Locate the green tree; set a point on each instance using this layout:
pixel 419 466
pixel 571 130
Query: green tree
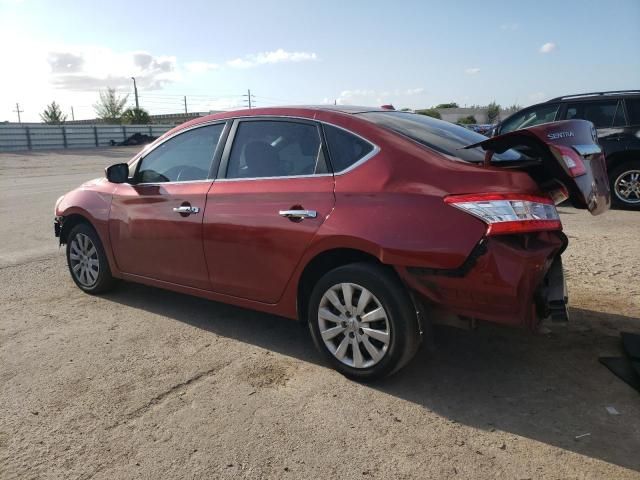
pixel 53 114
pixel 493 112
pixel 110 106
pixel 136 116
pixel 430 112
pixel 470 120
pixel 447 105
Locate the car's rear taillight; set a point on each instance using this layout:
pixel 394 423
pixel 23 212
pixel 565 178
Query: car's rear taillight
pixel 509 213
pixel 569 159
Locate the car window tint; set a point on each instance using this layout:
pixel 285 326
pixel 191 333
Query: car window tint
pixel 601 114
pixel 275 149
pixel 185 157
pixel 345 149
pixel 618 119
pixel 529 118
pixel 444 137
pixel 633 110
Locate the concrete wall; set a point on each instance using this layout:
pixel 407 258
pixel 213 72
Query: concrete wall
pixel 38 136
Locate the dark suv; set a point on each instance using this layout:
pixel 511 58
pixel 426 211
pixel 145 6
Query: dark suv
pixel 616 116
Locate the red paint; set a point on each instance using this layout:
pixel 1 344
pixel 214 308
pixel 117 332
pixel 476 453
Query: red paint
pixel 250 249
pixel 149 239
pixel 239 250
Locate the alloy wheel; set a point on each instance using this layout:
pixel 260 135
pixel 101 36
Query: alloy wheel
pixel 627 186
pixel 83 257
pixel 354 325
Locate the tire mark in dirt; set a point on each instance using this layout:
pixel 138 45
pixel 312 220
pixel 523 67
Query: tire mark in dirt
pixel 162 396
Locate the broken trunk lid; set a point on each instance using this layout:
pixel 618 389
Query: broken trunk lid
pixel 568 153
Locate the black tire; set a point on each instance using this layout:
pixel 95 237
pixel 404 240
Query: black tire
pixel 614 176
pixel 103 280
pixel 388 291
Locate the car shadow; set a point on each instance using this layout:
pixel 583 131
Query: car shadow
pixel 549 388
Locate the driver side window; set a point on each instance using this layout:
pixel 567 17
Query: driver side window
pixel 185 157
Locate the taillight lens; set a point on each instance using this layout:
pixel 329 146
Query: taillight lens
pixel 509 213
pixel 571 161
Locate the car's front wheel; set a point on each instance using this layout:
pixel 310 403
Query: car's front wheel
pixel 625 185
pixel 363 320
pixel 87 261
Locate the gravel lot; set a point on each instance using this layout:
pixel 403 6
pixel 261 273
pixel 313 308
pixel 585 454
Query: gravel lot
pixel 151 384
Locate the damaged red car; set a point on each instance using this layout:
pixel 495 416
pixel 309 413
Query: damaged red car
pixel 365 223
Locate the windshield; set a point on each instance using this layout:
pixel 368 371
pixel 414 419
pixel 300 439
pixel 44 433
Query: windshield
pixel 444 137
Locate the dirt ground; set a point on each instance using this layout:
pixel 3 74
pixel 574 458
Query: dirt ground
pixel 143 383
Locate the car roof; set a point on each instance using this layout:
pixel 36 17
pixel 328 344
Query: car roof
pixel 307 111
pixel 595 95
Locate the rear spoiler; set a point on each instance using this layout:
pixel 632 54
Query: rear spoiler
pixel 568 152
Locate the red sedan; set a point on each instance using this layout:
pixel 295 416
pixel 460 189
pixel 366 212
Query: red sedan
pixel 365 223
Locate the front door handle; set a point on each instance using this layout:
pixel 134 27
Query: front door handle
pixel 298 214
pixel 186 209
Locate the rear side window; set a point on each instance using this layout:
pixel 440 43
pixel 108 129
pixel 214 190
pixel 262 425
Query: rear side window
pixel 185 157
pixel 530 117
pixel 604 114
pixel 275 149
pixel 345 149
pixel 633 110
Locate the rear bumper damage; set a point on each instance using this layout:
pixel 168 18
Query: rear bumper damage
pixel 510 280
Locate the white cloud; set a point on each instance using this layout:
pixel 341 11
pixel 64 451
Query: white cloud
pixel 472 70
pixel 548 47
pixel 88 68
pixel 201 67
pixel 276 56
pixel 72 75
pixel 414 91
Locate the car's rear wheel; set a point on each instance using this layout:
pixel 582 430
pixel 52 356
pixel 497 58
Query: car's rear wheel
pixel 625 185
pixel 87 261
pixel 363 320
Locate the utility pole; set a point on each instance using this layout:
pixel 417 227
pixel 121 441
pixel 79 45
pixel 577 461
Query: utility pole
pixel 73 117
pixel 135 92
pixel 249 98
pixel 18 111
pixel 185 104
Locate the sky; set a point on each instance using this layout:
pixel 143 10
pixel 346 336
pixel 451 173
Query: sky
pixel 412 54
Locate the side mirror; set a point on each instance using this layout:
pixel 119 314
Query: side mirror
pixel 118 173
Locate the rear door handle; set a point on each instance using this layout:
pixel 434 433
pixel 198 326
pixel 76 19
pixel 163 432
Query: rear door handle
pixel 298 214
pixel 188 209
